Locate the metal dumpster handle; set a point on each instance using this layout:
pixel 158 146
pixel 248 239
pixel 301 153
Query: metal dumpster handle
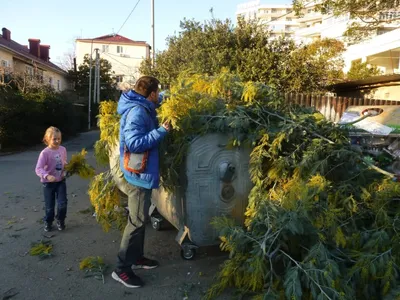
pixel 226 171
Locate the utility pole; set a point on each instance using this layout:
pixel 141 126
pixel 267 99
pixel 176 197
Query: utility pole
pixel 153 46
pixel 90 86
pixel 98 75
pixel 95 78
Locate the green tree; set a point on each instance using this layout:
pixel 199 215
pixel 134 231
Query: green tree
pixel 362 70
pixel 248 50
pixel 367 15
pixel 203 48
pixel 81 78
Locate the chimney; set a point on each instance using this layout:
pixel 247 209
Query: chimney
pixel 34 47
pixel 44 52
pixel 6 34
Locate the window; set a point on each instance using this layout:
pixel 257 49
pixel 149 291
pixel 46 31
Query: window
pixel 104 48
pixel 5 64
pixel 120 49
pixel 58 85
pixel 273 10
pixel 118 78
pixel 39 75
pixel 29 71
pixel 288 19
pixel 51 81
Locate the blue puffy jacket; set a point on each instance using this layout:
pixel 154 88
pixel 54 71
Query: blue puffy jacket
pixel 140 132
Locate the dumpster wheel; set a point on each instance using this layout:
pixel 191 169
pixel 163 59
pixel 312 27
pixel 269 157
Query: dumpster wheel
pixel 188 251
pixel 156 222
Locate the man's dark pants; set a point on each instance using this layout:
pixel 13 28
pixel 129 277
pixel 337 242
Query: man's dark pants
pixel 139 200
pixel 132 243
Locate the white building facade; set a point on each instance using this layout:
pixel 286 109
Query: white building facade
pixel 280 19
pixel 125 55
pixel 382 50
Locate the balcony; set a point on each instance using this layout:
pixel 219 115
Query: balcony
pixel 388 44
pixel 309 31
pixel 310 17
pixel 389 16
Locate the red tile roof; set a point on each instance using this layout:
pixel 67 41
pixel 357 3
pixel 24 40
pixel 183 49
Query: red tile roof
pixel 114 38
pixel 24 51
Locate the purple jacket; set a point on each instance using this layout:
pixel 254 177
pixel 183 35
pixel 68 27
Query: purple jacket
pixel 51 162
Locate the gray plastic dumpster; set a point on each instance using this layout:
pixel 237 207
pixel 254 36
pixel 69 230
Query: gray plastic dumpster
pixel 216 183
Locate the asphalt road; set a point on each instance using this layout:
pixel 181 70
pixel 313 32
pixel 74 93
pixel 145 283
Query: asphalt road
pixel 26 277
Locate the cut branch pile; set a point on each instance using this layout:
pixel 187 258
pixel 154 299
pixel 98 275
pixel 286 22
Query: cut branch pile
pixel 320 222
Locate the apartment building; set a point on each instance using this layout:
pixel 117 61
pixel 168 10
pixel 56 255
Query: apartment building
pixel 31 62
pixel 382 49
pixel 125 55
pixel 280 19
pixel 310 24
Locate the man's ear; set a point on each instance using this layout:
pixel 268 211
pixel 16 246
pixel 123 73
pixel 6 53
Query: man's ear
pixel 150 96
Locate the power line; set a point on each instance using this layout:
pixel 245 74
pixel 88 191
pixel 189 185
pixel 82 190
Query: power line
pixel 129 16
pixel 134 43
pixel 117 60
pixel 129 57
pixel 129 67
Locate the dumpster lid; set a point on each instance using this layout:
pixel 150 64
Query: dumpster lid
pixel 385 121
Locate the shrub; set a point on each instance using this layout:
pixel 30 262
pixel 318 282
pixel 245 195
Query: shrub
pixel 24 117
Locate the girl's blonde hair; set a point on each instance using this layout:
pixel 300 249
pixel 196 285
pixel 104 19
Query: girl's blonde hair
pixel 50 131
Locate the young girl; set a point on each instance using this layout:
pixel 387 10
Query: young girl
pixel 50 169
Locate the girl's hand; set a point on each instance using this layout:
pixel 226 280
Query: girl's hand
pixel 50 178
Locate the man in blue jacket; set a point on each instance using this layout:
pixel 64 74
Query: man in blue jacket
pixel 139 133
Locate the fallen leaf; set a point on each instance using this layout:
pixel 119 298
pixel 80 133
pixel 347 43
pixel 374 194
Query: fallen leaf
pixel 10 294
pixel 20 229
pixel 48 236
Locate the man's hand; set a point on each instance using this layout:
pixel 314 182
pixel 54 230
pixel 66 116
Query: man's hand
pixel 50 178
pixel 166 125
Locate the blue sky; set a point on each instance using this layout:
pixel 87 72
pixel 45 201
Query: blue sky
pixel 58 23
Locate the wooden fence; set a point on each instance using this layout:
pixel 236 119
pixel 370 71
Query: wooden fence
pixel 333 107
